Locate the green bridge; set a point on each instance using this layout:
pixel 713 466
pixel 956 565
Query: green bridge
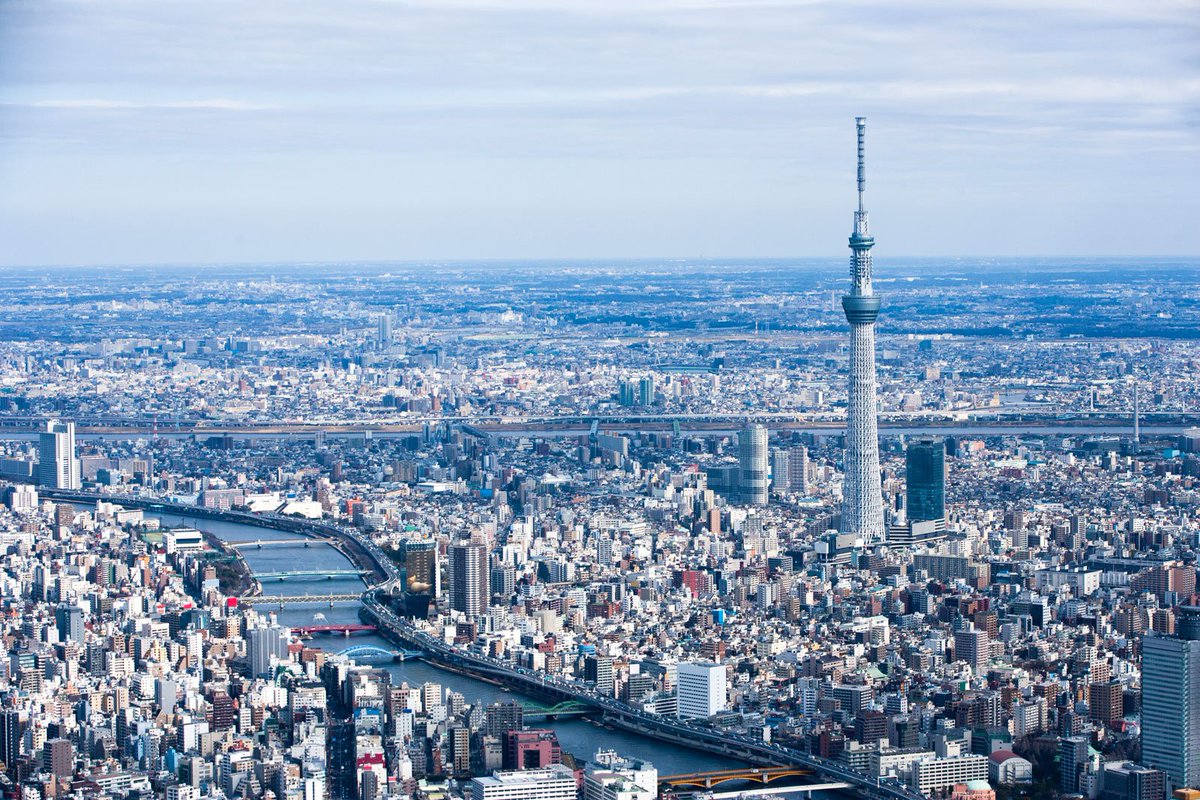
pixel 567 708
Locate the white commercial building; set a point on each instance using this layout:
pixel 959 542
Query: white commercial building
pixel 702 689
pixel 556 782
pixel 183 540
pixel 616 778
pixel 57 466
pixel 22 498
pixel 1083 581
pixel 897 762
pixel 942 773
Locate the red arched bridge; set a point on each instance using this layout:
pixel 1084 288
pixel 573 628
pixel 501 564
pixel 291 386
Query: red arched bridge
pixel 707 780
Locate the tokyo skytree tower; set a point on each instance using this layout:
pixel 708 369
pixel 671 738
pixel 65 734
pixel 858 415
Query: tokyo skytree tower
pixel 862 494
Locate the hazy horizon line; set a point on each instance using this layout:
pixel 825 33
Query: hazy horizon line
pixel 579 260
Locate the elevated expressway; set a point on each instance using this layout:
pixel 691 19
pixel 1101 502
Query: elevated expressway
pixel 549 688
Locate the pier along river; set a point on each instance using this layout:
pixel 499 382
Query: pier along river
pixel 580 737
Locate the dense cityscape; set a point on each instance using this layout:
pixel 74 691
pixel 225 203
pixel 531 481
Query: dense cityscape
pixel 634 494
pixel 404 531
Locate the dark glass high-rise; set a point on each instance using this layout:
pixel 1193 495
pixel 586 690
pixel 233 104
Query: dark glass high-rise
pixel 925 465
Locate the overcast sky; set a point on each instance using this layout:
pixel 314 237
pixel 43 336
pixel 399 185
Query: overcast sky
pixel 159 131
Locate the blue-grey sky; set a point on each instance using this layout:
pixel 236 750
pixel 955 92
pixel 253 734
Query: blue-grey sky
pixel 158 131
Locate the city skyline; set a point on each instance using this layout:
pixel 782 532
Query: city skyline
pixel 353 527
pixel 584 501
pixel 613 130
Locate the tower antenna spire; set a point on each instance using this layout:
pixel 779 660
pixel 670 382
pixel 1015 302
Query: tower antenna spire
pixel 861 124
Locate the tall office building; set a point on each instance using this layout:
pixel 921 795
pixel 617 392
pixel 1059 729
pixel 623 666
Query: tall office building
pixel 69 621
pixel 422 576
pixel 640 392
pixel 798 469
pixel 12 733
pixel 925 474
pixel 974 647
pixel 781 477
pixel 1126 781
pixel 500 718
pixel 752 465
pixel 421 572
pixel 57 466
pixel 599 670
pixel 789 470
pixel 646 391
pixel 58 757
pixel 1072 762
pixel 701 689
pixel 1171 701
pixel 267 645
pixel 862 493
pixel 385 328
pixel 468 568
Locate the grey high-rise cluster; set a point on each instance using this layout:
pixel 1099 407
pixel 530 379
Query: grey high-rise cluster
pixel 862 498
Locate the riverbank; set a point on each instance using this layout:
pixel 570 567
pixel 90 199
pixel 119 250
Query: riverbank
pixel 233 573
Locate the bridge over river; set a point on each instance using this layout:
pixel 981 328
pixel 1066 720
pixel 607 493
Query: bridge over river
pixel 282 600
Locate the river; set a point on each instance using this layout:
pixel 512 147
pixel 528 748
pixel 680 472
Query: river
pixel 579 737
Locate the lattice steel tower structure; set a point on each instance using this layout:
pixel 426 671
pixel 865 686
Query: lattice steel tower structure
pixel 862 495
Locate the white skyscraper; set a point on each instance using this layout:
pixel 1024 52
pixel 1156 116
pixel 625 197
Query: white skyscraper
pixel 752 465
pixel 57 466
pixel 467 565
pixel 701 689
pixel 862 493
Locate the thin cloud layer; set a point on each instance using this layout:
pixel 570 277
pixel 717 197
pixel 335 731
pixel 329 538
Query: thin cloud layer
pixel 180 131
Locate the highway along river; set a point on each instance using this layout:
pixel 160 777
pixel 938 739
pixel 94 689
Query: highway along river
pixel 579 737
